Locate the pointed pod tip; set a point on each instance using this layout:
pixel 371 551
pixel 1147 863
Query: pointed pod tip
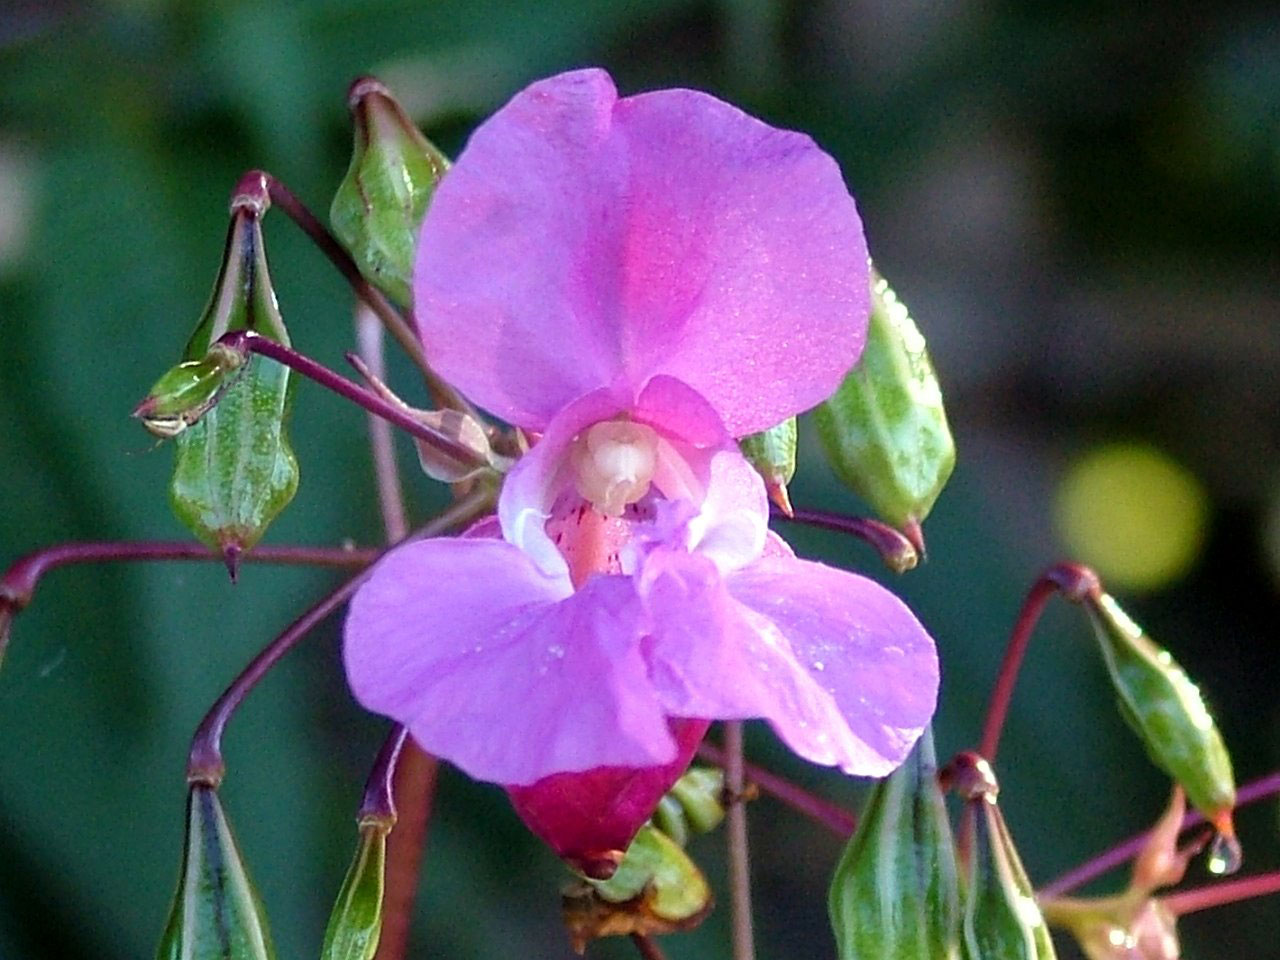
pixel 915 535
pixel 778 494
pixel 1226 856
pixel 362 87
pixel 231 557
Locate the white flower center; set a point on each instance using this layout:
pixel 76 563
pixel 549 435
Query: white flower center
pixel 613 463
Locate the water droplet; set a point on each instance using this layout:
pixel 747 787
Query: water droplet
pixel 819 665
pixel 556 651
pixel 1225 855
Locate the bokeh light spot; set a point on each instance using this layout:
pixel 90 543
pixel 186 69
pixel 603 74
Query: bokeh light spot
pixel 1133 514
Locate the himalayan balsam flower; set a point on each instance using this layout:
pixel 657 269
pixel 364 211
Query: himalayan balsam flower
pixel 638 281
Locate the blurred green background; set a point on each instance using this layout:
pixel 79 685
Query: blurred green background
pixel 1078 201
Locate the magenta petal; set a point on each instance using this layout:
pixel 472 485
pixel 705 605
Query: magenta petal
pixel 583 242
pixel 498 668
pixel 585 817
pixel 710 656
pixel 859 642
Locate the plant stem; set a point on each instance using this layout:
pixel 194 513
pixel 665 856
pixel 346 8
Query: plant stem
pixel 442 394
pixel 823 812
pixel 244 342
pixel 1071 580
pixel 648 947
pixel 412 788
pixel 19 582
pixel 205 763
pixel 379 799
pixel 381 445
pixel 1127 849
pixel 739 855
pixel 1220 894
pixel 895 549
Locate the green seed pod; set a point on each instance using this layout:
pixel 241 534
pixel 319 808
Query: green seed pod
pixel 381 201
pixel 235 470
pixel 699 792
pixel 216 912
pixel 1002 920
pixel 185 393
pixel 894 892
pixel 1168 714
pixel 885 430
pixel 773 453
pixel 356 922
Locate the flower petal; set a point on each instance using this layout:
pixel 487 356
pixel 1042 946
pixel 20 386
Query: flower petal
pixel 859 642
pixel 711 656
pixel 500 669
pixel 585 816
pixel 585 242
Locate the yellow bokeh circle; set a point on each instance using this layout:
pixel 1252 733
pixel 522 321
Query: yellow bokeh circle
pixel 1133 514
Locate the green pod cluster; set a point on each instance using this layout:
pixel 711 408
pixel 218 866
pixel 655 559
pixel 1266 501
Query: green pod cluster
pixel 216 912
pixel 235 470
pixel 773 453
pixel 894 893
pixel 380 203
pixel 692 805
pixel 1166 710
pixel 884 429
pixel 356 921
pixel 1002 920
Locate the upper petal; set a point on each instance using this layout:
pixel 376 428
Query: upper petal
pixel 583 241
pixel 498 668
pixel 858 641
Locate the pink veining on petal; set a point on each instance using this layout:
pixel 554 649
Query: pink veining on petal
pixel 584 242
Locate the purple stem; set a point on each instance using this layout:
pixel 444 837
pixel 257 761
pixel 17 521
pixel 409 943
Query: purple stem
pixel 442 394
pixel 1220 894
pixel 739 855
pixel 205 763
pixel 838 821
pixel 647 947
pixel 1126 850
pixel 1071 580
pixel 379 799
pixel 244 342
pixel 19 582
pixel 898 553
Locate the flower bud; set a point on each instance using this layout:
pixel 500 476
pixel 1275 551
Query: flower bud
pixel 1119 928
pixel 356 922
pixel 1168 714
pixel 773 453
pixel 1001 917
pixel 656 888
pixel 885 430
pixel 894 893
pixel 234 470
pixel 381 201
pixel 216 912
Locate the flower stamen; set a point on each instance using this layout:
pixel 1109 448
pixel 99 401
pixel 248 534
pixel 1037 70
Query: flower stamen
pixel 614 462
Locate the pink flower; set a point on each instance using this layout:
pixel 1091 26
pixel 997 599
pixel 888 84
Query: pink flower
pixel 639 281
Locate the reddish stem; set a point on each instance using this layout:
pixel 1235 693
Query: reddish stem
pixel 442 394
pixel 415 785
pixel 1127 849
pixel 647 947
pixel 1072 581
pixel 19 582
pixel 739 854
pixel 896 550
pixel 246 341
pixel 823 812
pixel 379 799
pixel 381 442
pixel 1220 894
pixel 205 763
